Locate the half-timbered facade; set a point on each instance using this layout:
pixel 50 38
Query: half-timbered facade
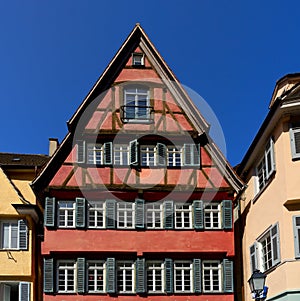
pixel 137 198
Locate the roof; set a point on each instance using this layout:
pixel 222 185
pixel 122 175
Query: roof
pixel 24 160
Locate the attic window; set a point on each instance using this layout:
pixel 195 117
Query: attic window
pixel 137 59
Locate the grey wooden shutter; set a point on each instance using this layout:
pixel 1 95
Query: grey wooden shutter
pixel 48 275
pixel 227 214
pixel 227 276
pixel 49 214
pixel 169 214
pixel 139 213
pixel 296 225
pixel 80 211
pixel 23 235
pixel 275 243
pixel 133 153
pixel 110 214
pixel 197 154
pixel 81 275
pixel 140 275
pixel 253 257
pixel 108 149
pixel 197 275
pixel 295 142
pixel 110 275
pixel 80 158
pixel 187 155
pixel 24 291
pixel 198 214
pixel 161 154
pixel 169 276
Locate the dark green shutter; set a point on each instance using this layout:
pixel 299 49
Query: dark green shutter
pixel 169 214
pixel 23 235
pixel 80 151
pixel 110 275
pixel 227 214
pixel 228 276
pixel 81 275
pixel 197 275
pixel 49 214
pixel 108 147
pixel 48 275
pixel 140 276
pixel 169 275
pixel 198 214
pixel 139 213
pixel 134 153
pixel 80 212
pixel 161 154
pixel 24 291
pixel 110 214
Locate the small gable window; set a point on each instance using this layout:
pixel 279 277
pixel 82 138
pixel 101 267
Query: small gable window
pixel 137 59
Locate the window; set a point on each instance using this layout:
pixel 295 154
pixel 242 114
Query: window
pixel 183 216
pixel 121 156
pixel 125 215
pixel 11 290
pixel 66 276
pixel 155 276
pixel 95 154
pixel 265 252
pixel 154 215
pixel 295 142
pixel 137 59
pixel 66 214
pixel 212 276
pixel 296 222
pixel 147 155
pixel 14 235
pixel 174 155
pixel 266 166
pixel 136 104
pixel 96 214
pixel 125 276
pixel 212 216
pixel 183 275
pixel 96 276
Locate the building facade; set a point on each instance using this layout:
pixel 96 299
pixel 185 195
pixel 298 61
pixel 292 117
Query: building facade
pixel 269 222
pixel 137 198
pixel 19 223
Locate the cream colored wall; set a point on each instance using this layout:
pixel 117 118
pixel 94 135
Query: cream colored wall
pixel 268 208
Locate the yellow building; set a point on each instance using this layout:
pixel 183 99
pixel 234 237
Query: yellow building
pixel 19 227
pixel 268 224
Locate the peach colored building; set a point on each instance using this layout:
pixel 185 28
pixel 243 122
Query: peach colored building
pixel 268 226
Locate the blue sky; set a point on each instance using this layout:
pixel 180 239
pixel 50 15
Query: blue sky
pixel 229 52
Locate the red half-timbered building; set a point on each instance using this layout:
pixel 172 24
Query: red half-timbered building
pixel 137 198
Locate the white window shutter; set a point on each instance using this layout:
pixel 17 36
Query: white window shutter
pixel 295 142
pixel 253 257
pixel 270 158
pixel 275 243
pixel 296 225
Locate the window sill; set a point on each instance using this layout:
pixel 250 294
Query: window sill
pixel 137 121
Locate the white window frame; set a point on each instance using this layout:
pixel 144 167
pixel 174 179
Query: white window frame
pixel 96 269
pixel 154 215
pixel 139 62
pixel 296 226
pixel 183 273
pixel 12 226
pixel 212 273
pixel 148 155
pixel 125 215
pixel 155 277
pixel 95 154
pixel 125 269
pixel 121 154
pixel 174 156
pixel 96 213
pixel 183 212
pixel 66 269
pixel 212 215
pixel 66 211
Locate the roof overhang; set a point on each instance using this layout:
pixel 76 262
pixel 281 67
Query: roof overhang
pixel 28 210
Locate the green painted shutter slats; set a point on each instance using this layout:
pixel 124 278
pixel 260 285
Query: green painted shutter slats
pixel 140 276
pixel 134 153
pixel 23 235
pixel 228 276
pixel 80 212
pixel 110 214
pixel 161 154
pixel 169 214
pixel 108 148
pixel 48 275
pixel 197 275
pixel 110 275
pixel 81 275
pixel 49 215
pixel 24 291
pixel 80 151
pixel 139 214
pixel 198 214
pixel 227 214
pixel 169 275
